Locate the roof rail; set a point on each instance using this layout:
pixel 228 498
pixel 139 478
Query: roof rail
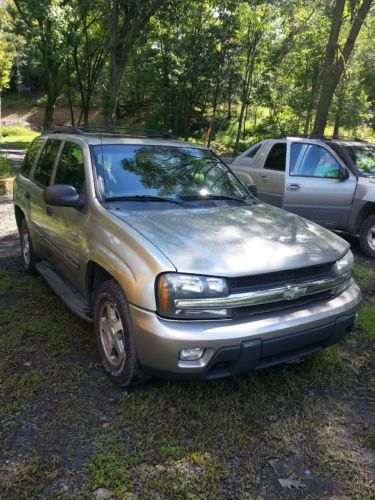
pixel 112 130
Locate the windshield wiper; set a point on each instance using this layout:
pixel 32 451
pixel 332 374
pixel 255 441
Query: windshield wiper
pixel 142 197
pixel 213 197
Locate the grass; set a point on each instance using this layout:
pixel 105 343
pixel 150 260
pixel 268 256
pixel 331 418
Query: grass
pixel 17 138
pixel 67 431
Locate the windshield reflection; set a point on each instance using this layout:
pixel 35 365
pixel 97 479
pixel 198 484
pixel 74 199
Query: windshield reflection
pixel 162 171
pixel 364 158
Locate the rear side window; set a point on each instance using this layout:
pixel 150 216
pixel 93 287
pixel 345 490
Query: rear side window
pixel 70 170
pixel 253 151
pixel 31 154
pixel 45 163
pixel 276 157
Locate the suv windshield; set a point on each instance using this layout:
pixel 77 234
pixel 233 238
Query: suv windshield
pixel 364 158
pixel 169 172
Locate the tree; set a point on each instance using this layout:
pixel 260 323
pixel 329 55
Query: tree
pixel 88 42
pixel 7 53
pixel 335 61
pixel 45 23
pixel 256 27
pixel 126 20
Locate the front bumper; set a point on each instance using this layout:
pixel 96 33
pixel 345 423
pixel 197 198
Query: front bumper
pixel 238 346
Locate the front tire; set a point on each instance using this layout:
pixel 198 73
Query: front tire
pixel 114 335
pixel 367 236
pixel 27 250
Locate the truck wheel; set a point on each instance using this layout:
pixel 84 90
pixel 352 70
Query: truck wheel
pixel 27 251
pixel 367 236
pixel 114 335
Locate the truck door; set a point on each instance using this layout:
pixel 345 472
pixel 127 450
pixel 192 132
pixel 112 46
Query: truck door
pixel 271 178
pixel 313 187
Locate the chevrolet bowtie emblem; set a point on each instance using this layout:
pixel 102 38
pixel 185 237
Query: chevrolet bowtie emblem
pixel 294 292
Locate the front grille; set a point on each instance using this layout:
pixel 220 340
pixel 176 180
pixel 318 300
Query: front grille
pixel 272 280
pixel 281 306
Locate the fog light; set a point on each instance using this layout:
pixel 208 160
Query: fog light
pixel 191 354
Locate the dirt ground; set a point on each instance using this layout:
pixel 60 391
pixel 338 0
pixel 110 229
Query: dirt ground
pixel 16 116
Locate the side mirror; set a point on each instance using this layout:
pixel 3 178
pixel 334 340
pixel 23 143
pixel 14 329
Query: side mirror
pixel 60 195
pixel 343 174
pixel 253 189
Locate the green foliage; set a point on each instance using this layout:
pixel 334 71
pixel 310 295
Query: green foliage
pixel 7 48
pixel 242 71
pixel 6 169
pixel 18 138
pixel 15 131
pixel 367 322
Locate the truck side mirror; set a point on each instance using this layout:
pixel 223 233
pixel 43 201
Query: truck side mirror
pixel 343 174
pixel 253 189
pixel 62 196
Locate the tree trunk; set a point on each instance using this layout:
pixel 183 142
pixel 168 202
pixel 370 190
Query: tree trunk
pixel 230 91
pixel 213 116
pixel 166 86
pixel 245 90
pixel 312 94
pixel 116 70
pixel 125 23
pixel 52 96
pixel 69 84
pixel 334 67
pixel 338 114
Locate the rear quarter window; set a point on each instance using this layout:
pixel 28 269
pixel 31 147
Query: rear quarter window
pixel 253 151
pixel 30 156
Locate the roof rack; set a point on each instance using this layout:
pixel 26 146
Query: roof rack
pixel 321 137
pixel 348 138
pixel 303 136
pixel 111 130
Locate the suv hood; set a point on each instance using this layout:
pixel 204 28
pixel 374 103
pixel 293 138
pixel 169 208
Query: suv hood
pixel 234 241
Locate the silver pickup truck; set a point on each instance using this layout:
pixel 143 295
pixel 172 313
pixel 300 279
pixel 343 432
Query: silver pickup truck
pixel 182 271
pixel 331 182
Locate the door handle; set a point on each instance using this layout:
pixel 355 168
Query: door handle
pixel 293 187
pixel 27 195
pixel 49 211
pixel 264 177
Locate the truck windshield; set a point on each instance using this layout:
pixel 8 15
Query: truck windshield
pixel 125 171
pixel 364 158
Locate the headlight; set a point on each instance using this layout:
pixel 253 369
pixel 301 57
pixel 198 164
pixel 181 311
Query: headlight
pixel 345 265
pixel 173 286
pixel 343 268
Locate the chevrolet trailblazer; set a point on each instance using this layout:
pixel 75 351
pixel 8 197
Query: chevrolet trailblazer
pixel 184 273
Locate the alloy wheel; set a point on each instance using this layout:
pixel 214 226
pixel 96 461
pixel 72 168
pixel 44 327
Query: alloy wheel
pixel 111 333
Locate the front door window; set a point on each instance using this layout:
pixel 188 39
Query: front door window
pixel 70 170
pixel 310 160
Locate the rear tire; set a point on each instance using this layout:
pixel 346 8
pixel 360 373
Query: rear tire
pixel 367 237
pixel 114 335
pixel 27 250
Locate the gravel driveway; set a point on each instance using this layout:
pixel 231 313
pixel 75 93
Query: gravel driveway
pixel 9 241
